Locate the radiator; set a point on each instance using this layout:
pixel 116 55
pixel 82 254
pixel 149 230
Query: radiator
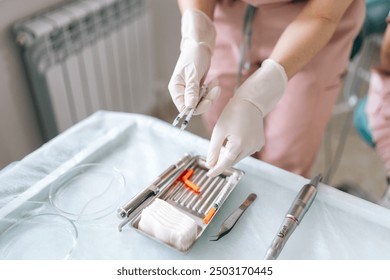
pixel 86 56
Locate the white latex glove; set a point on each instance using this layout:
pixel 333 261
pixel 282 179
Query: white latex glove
pixel 212 93
pixel 197 44
pixel 241 122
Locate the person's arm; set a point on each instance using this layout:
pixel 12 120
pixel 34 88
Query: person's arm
pixel 304 37
pixel 206 6
pixel 309 32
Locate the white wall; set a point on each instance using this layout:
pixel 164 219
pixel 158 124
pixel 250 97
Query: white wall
pixel 19 131
pixel 166 36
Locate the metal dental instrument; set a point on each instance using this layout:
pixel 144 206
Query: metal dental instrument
pixel 293 217
pixel 154 188
pixel 166 179
pixel 188 112
pixel 204 195
pixel 230 222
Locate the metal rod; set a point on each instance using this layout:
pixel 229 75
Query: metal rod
pixel 186 190
pixel 179 192
pixel 194 195
pixel 204 195
pixel 175 191
pixel 211 197
pixel 204 188
pixel 198 181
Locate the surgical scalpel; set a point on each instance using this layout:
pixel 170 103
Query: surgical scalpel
pixel 293 217
pixel 189 112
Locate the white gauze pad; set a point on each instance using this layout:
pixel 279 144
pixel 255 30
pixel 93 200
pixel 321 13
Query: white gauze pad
pixel 166 223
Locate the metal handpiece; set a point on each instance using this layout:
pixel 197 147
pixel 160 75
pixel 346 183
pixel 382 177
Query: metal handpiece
pixel 135 202
pixel 152 189
pixel 230 222
pixel 294 215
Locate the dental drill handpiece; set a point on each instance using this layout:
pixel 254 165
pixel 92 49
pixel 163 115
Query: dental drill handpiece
pixel 125 210
pixel 294 215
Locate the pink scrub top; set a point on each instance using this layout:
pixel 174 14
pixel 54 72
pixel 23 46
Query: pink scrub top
pixel 310 95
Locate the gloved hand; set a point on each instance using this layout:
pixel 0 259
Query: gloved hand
pixel 241 121
pixel 197 44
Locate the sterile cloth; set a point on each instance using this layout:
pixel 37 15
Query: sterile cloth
pixel 337 226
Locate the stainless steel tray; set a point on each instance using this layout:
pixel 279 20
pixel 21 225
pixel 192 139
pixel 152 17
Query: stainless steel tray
pixel 195 205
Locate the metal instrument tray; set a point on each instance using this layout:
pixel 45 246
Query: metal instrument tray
pixel 195 205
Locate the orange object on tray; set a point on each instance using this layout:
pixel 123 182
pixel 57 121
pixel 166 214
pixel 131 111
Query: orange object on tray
pixel 185 179
pixel 187 175
pixel 209 215
pixel 192 185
